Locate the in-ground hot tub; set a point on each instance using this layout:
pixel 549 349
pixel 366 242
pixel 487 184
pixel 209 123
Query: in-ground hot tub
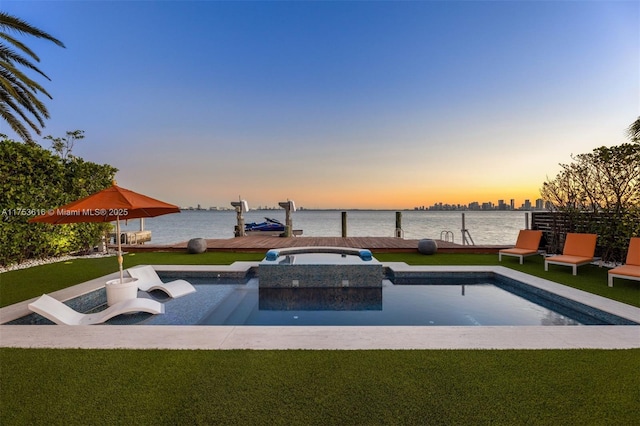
pixel 316 267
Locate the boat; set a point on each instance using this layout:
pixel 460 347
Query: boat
pixel 269 225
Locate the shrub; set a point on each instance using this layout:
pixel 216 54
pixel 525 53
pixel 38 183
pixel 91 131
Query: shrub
pixel 33 180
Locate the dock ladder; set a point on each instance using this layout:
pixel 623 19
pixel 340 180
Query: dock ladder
pixel 446 236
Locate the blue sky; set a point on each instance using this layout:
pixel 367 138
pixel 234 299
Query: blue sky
pixel 338 104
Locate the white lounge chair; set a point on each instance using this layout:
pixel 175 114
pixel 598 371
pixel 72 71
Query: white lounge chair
pixel 148 280
pixel 62 314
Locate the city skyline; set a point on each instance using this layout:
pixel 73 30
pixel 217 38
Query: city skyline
pixel 538 204
pixel 380 105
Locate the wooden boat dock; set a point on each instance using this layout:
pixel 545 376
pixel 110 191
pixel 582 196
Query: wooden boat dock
pixel 258 244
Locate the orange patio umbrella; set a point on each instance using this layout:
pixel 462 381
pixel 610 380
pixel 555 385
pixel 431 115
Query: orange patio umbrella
pixel 108 205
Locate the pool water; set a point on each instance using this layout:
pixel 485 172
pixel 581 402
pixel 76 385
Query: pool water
pixel 420 299
pixel 482 304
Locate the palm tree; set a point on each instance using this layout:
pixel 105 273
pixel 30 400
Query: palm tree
pixel 18 101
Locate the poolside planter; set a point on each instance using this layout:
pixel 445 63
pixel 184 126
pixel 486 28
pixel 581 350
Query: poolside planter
pixel 117 290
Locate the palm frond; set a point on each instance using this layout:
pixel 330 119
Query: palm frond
pixel 10 56
pixel 8 71
pixel 15 124
pixel 29 102
pixel 19 104
pixel 20 45
pixel 8 22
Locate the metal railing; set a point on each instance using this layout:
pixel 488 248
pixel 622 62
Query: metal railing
pixel 446 236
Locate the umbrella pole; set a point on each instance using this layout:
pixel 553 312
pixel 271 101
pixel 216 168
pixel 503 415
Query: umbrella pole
pixel 119 247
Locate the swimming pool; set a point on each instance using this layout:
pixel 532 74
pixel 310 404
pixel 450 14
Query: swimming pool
pixel 186 336
pixel 481 304
pixel 417 296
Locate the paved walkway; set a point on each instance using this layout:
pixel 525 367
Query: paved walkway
pixel 293 337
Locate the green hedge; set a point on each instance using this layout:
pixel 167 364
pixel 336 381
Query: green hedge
pixel 33 180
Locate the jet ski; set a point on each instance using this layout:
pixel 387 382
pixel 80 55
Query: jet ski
pixel 269 225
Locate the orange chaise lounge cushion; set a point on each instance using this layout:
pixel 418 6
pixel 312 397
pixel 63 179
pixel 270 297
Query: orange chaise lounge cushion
pixel 526 245
pixel 630 270
pixel 579 249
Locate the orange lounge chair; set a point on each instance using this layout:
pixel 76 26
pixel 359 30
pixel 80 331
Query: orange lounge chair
pixel 631 270
pixel 526 245
pixel 578 250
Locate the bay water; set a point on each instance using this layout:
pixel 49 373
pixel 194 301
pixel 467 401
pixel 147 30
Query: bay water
pixel 485 227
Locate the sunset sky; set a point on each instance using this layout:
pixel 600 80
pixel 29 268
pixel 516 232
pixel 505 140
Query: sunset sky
pixel 337 104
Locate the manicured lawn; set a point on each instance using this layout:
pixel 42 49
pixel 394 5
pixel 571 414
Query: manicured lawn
pixel 551 387
pixel 48 386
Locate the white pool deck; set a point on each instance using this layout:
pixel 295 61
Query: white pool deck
pixel 328 337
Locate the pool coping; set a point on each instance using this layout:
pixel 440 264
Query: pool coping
pixel 328 337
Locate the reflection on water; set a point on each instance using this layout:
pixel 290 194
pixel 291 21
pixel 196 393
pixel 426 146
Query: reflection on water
pixel 320 299
pixel 554 318
pixel 468 305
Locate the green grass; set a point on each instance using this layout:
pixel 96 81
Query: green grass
pixel 319 387
pixel 49 386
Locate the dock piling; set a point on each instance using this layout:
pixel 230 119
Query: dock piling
pixel 240 206
pixel 344 224
pixel 399 232
pixel 288 206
